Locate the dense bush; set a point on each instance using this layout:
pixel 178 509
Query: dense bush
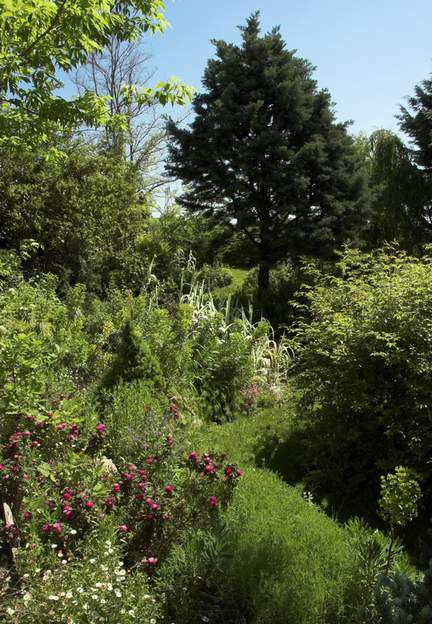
pixel 278 560
pixel 363 368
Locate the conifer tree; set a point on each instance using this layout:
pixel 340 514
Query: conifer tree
pixel 265 153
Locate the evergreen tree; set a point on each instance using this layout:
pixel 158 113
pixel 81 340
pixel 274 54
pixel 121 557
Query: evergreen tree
pixel 264 152
pixel 416 122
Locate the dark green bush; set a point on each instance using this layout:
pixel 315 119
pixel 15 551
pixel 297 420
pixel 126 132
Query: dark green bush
pixel 363 370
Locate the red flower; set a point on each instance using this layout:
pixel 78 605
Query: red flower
pixel 61 426
pixel 150 460
pixel 116 487
pixel 141 472
pixel 66 495
pixel 193 457
pixel 89 504
pixel 228 470
pixel 27 515
pixel 57 528
pixel 169 489
pixel 123 528
pixel 209 469
pixel 142 485
pixel 239 473
pixel 127 476
pixel 212 502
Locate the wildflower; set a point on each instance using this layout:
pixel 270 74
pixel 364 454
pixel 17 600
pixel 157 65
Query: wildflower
pixel 61 426
pixel 209 469
pixel 150 561
pixel 228 470
pixel 123 528
pixel 116 487
pixel 239 473
pixel 100 428
pixel 193 457
pixel 34 444
pixel 168 489
pixel 142 485
pixel 109 501
pixel 27 515
pixel 89 504
pixel 212 502
pixel 127 477
pixel 150 460
pixel 46 528
pixel 53 597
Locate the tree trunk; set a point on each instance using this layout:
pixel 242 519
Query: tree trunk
pixel 263 286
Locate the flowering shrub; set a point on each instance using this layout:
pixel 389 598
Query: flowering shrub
pixel 64 492
pixel 93 588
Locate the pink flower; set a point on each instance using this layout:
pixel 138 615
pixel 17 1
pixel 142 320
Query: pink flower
pixel 169 489
pixel 165 516
pixel 150 460
pixel 57 528
pixel 123 528
pixel 27 515
pixel 100 428
pixel 150 561
pixel 50 414
pixel 209 469
pixel 26 434
pixel 127 476
pixel 109 501
pixel 212 502
pixel 66 495
pixel 131 467
pixel 149 502
pixel 46 528
pixel 67 510
pixel 142 485
pixel 61 426
pixel 193 457
pixel 34 444
pixel 228 470
pixel 116 487
pixel 89 504
pixel 29 417
pixel 2 466
pixel 155 507
pixel 141 472
pixel 239 473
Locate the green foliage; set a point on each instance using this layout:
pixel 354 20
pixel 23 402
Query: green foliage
pixel 399 600
pixel 397 192
pixel 261 110
pixel 83 212
pixel 363 365
pixel 279 560
pixel 42 37
pixel 400 494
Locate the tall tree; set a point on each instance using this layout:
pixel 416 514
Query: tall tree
pixel 141 138
pixel 40 38
pixel 416 121
pixel 396 191
pixel 264 151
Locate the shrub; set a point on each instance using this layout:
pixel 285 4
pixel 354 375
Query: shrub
pixel 278 560
pixel 363 369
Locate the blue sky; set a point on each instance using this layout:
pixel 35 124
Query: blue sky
pixel 369 54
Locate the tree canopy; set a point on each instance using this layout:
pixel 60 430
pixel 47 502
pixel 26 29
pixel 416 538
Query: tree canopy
pixel 41 39
pixel 264 151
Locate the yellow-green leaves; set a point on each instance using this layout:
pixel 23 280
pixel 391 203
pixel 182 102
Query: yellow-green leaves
pixel 40 37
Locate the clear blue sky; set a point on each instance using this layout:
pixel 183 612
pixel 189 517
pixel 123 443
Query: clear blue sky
pixel 368 53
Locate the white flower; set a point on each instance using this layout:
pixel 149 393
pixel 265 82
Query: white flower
pixel 131 612
pixel 10 611
pixel 98 585
pixel 92 560
pixel 68 595
pixel 109 587
pixel 54 546
pixel 27 597
pixel 117 593
pixel 73 532
pixel 64 562
pixel 80 590
pixel 152 621
pixel 53 597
